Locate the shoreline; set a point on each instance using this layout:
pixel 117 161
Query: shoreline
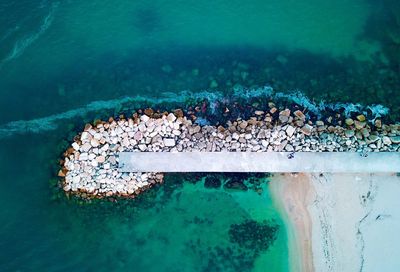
pixel 339 222
pixel 292 206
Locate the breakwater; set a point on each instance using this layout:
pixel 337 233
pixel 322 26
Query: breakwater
pixel 90 165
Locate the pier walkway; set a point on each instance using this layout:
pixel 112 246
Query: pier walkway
pixel 312 162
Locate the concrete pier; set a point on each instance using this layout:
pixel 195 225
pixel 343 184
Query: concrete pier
pixel 127 156
pixel 312 162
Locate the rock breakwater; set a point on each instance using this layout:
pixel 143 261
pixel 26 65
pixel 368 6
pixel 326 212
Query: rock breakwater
pixel 90 165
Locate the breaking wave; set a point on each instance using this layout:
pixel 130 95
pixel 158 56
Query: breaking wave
pixel 51 122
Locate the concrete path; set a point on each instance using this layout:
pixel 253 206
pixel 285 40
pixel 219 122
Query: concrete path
pixel 343 162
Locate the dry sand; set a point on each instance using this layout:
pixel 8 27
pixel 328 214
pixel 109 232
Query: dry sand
pixel 340 222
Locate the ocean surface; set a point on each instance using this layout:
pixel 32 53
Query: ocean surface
pixel 64 63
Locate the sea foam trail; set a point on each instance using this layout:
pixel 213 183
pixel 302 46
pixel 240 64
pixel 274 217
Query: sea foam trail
pixel 21 45
pixel 51 122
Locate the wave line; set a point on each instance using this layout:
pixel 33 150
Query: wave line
pixel 51 122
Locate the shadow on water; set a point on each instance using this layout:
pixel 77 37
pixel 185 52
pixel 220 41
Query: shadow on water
pixel 383 26
pixel 147 20
pixel 151 72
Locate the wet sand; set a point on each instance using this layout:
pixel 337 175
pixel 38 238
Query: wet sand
pixel 291 194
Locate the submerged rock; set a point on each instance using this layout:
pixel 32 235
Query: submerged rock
pixel 212 181
pixel 257 236
pixel 235 184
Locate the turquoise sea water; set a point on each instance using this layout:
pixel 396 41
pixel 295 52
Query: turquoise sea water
pixel 59 56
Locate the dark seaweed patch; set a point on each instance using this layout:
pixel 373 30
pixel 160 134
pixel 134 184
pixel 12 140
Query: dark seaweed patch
pixel 253 235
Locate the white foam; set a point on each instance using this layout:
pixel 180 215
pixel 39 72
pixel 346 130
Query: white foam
pixel 51 122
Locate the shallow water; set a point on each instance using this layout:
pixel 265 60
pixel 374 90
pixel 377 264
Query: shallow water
pixel 58 56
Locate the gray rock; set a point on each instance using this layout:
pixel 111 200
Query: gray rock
pixel 289 148
pixel 373 138
pixel 300 115
pixel 365 132
pixel 386 140
pixel 264 143
pixel 283 118
pixel 197 129
pixel 395 139
pixel 349 133
pixel 307 129
pixel 243 124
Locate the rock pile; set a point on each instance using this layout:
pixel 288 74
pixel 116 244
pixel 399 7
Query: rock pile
pixel 90 165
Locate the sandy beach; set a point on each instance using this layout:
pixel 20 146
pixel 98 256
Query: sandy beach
pixel 340 222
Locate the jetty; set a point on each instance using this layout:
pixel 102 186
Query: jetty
pixel 128 155
pixel 269 162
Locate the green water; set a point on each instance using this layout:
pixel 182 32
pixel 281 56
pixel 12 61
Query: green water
pixel 57 56
pixel 180 226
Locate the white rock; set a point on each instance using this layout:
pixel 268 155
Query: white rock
pixel 144 176
pixel 83 157
pixel 101 159
pixel 290 131
pixel 142 147
pixel 75 146
pixel 264 143
pixel 84 136
pixel 105 147
pixel 142 127
pixel 94 143
pixel 97 136
pixel 94 163
pixel 119 131
pixel 125 142
pixel 76 179
pixel 144 118
pixel 169 142
pixel 176 132
pixel 171 117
